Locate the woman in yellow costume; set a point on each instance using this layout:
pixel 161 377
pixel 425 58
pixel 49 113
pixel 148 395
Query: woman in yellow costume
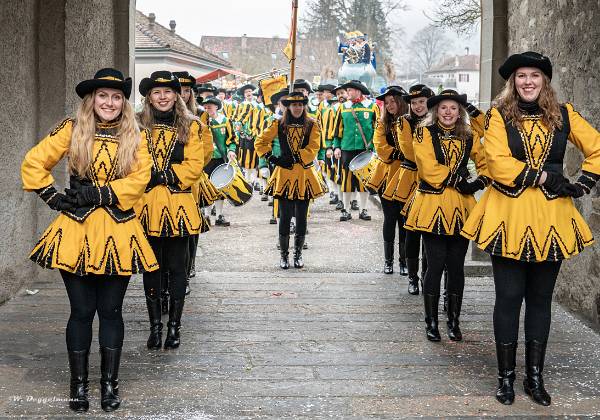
pixel 96 242
pixel 527 220
pixel 204 191
pixel 295 181
pixel 168 210
pixel 389 158
pixel 444 199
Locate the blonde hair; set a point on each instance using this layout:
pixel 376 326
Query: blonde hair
pixel 191 103
pixel 84 131
pixel 507 103
pixel 462 128
pixel 183 118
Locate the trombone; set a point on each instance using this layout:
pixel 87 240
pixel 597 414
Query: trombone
pixel 271 73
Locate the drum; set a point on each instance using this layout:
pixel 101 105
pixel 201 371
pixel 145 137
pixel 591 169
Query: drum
pixel 362 165
pixel 229 180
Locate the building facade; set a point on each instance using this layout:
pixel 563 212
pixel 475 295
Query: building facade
pixel 460 72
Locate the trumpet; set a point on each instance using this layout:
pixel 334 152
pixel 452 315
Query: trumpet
pixel 272 73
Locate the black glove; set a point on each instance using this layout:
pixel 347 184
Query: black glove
pixel 156 178
pixel 87 195
pixel 575 190
pixel 284 161
pixel 557 184
pixel 55 200
pixel 454 178
pixel 465 187
pixel 472 110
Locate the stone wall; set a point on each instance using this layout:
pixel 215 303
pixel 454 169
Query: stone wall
pixel 49 46
pixel 567 31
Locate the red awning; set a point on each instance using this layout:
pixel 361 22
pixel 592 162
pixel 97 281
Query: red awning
pixel 218 73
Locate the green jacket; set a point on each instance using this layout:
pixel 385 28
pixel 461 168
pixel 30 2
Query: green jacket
pixel 276 147
pixel 223 136
pixel 346 134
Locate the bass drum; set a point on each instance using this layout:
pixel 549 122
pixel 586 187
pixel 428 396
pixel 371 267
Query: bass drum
pixel 229 180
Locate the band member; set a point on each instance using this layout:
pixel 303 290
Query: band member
pixel 168 210
pixel 294 182
pixel 444 199
pixel 327 110
pixel 389 157
pixel 404 182
pixel 341 96
pixel 355 123
pixel 225 148
pixel 243 118
pixel 527 221
pixel 205 90
pixel 96 242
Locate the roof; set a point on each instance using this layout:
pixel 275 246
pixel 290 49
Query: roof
pixel 156 36
pixel 457 63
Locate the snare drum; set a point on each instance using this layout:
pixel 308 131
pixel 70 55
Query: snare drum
pixel 229 180
pixel 362 165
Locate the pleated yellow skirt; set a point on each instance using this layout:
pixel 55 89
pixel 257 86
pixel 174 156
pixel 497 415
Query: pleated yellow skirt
pixel 382 174
pixel 401 186
pixel 297 183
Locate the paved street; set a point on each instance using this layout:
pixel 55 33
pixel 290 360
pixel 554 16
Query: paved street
pixel 337 339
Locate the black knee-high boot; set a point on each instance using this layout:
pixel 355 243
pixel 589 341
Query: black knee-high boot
pixel 413 277
pixel 506 354
pixel 174 325
pixel 402 258
pixel 110 360
pixel 78 364
pixel 431 316
pixel 298 244
pixel 535 354
pixel 284 248
pixel 388 254
pixel 154 314
pixel 453 312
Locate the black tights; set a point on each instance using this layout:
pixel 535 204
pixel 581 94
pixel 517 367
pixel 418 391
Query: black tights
pixel 391 219
pixel 445 251
pixel 517 280
pixel 90 294
pixel 173 255
pixel 413 243
pixel 289 209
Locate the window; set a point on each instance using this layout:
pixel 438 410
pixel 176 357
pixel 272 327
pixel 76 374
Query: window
pixel 225 55
pixel 463 78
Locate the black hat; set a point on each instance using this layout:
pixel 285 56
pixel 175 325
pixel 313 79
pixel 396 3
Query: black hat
pixel 356 84
pixel 225 91
pixel 277 96
pixel 447 94
pixel 159 79
pixel 205 87
pixel 242 89
pixel 392 90
pixel 526 59
pixel 333 99
pixel 418 91
pixel 294 97
pixel 302 84
pixel 322 88
pixel 212 100
pixel 107 78
pixel 185 79
pixel 336 88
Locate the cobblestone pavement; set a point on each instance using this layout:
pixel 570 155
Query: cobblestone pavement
pixel 337 339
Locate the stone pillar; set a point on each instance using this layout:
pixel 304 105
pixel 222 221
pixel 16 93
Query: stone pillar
pixel 494 49
pixel 49 46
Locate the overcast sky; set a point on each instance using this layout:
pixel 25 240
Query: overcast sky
pixel 264 18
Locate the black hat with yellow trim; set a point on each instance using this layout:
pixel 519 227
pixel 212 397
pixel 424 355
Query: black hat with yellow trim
pixel 418 91
pixel 212 100
pixel 244 88
pixel 356 84
pixel 161 78
pixel 392 90
pixel 336 88
pixel 205 87
pixel 294 97
pixel 185 79
pixel 447 94
pixel 302 84
pixel 526 59
pixel 105 78
pixel 276 97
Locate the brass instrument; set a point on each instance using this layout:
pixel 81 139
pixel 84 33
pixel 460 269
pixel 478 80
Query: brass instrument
pixel 271 73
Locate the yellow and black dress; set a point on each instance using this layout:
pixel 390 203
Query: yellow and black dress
pixel 518 219
pixel 95 239
pixel 204 191
pixel 302 181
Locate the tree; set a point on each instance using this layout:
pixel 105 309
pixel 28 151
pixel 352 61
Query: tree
pixel 323 19
pixel 428 46
pixel 463 16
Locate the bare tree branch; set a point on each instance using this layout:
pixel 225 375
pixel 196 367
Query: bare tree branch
pixel 462 16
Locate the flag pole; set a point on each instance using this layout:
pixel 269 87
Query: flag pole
pixel 293 39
